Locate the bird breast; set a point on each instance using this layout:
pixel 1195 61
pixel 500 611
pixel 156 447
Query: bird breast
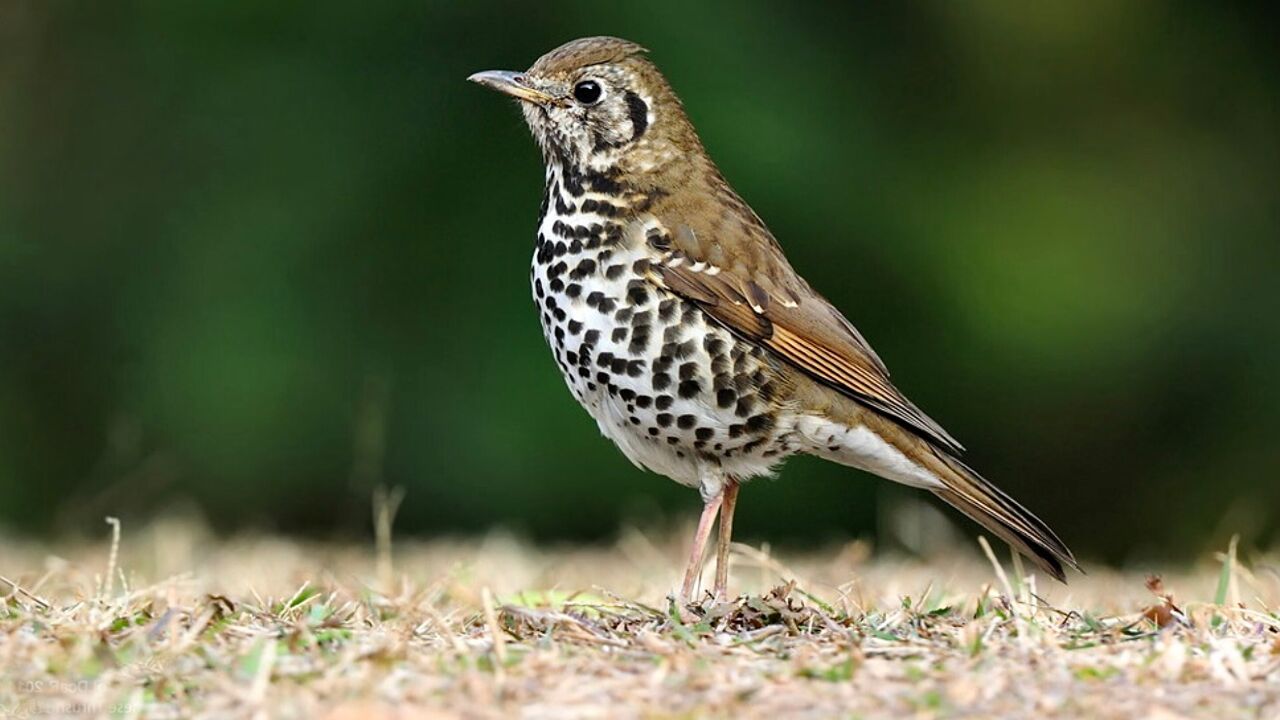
pixel 670 386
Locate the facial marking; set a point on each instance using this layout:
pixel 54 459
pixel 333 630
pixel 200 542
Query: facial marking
pixel 638 111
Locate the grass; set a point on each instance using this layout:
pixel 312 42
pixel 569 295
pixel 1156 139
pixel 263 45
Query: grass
pixel 170 622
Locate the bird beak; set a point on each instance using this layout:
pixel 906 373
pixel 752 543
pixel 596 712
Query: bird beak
pixel 511 83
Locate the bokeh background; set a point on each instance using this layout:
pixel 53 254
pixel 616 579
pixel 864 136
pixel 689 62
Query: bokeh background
pixel 258 259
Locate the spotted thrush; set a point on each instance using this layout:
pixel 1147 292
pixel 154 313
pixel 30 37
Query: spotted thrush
pixel 680 326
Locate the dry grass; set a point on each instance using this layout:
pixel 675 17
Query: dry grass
pixel 181 625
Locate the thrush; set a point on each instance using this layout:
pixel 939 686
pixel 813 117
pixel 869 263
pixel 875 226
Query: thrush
pixel 681 327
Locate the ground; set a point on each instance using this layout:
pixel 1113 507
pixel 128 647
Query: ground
pixel 178 623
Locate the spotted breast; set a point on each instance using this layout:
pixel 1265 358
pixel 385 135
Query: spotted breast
pixel 666 383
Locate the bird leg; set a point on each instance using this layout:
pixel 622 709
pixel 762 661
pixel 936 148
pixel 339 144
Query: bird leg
pixel 730 499
pixel 710 507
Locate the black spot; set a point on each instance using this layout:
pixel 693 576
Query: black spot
pixel 712 344
pixel 671 334
pixel 537 288
pixel 704 433
pixel 643 401
pixel 664 419
pixel 746 404
pixel 607 305
pixel 634 368
pixel 604 358
pixel 557 269
pixel 663 402
pixel 602 377
pixel 662 364
pixel 666 309
pixel 638 112
pixel 614 272
pixel 661 381
pixel 684 422
pixel 688 371
pixel 760 423
pixel 726 397
pixel 592 337
pixel 585 267
pixel 736 430
pixel 639 340
pixel 653 431
pixel 618 335
pixel 636 293
pixel 686 349
pixel 618 366
pixel 634 420
pixel 573 290
pixel 623 315
pixel 658 240
pixel 603 183
pixel 572 357
pixel 557 285
pixel 688 388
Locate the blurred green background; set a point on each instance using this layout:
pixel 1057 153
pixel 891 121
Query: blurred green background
pixel 258 258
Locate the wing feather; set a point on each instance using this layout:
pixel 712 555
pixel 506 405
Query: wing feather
pixel 761 297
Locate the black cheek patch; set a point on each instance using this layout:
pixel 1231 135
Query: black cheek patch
pixel 639 114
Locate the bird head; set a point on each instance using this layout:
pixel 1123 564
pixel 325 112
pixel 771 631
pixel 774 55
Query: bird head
pixel 599 104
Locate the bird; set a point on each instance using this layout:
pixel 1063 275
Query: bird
pixel 681 327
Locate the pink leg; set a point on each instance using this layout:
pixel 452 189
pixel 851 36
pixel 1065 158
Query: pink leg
pixel 726 533
pixel 694 570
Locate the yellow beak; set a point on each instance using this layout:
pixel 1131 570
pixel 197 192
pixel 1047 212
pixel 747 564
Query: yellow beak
pixel 510 83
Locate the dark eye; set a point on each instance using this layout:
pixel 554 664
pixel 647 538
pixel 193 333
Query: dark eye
pixel 587 92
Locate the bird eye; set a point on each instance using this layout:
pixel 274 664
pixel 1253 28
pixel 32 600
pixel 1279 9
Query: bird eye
pixel 587 92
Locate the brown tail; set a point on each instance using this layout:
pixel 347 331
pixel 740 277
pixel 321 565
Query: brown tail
pixel 990 507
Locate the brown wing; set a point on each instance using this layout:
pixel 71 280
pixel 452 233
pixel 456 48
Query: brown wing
pixel 753 291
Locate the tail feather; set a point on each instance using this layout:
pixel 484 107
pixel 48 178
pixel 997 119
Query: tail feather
pixel 842 431
pixel 989 506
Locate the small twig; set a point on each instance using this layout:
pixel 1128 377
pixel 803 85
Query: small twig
pixel 385 505
pixel 21 591
pixel 109 579
pixel 1004 579
pixel 491 619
